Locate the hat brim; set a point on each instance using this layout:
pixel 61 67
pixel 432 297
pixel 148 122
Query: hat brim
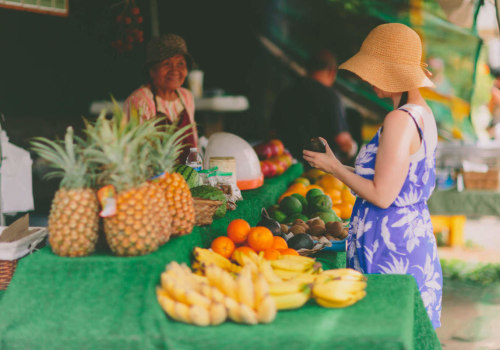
pixel 191 64
pixel 385 75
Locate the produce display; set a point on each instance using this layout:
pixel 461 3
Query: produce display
pixel 119 158
pixel 274 158
pixel 243 238
pixel 254 289
pixel 213 193
pixel 320 194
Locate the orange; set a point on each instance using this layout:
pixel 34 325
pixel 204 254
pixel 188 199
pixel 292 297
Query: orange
pixel 337 210
pixel 329 181
pixel 347 196
pixel 345 210
pixel 299 188
pixel 237 230
pixel 244 250
pixel 313 174
pixel 288 251
pixel 279 243
pixel 335 195
pixel 260 238
pixel 271 254
pixel 223 246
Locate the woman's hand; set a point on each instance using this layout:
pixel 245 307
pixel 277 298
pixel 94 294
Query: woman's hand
pixel 323 161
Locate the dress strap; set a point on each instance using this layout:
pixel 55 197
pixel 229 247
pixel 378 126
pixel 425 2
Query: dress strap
pixel 420 132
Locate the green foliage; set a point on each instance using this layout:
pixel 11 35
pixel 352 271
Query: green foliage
pixel 478 273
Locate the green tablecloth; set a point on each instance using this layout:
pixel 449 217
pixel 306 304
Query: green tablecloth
pixel 105 302
pixel 468 202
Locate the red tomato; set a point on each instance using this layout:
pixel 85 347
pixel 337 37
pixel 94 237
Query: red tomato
pixel 273 169
pixel 264 166
pixel 263 151
pixel 278 146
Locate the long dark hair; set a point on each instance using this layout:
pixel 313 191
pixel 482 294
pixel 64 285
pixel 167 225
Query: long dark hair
pixel 403 100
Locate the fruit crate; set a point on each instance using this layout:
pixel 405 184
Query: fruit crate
pixel 489 180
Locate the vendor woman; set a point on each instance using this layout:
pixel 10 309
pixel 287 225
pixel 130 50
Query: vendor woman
pixel 390 229
pixel 167 63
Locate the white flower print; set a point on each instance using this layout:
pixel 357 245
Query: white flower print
pixel 407 216
pixel 413 233
pixel 411 174
pixel 352 256
pixel 365 156
pixel 425 178
pixel 386 235
pixel 408 198
pixel 430 284
pixel 369 252
pixel 359 226
pixel 399 267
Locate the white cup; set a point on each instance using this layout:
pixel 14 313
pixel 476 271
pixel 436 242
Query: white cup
pixel 195 82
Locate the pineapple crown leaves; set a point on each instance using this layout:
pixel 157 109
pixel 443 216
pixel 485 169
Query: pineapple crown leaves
pixel 67 158
pixel 168 147
pixel 122 148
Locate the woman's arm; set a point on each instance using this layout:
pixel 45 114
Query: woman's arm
pixel 391 166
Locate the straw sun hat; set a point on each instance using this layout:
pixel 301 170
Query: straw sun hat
pixel 166 46
pixel 390 59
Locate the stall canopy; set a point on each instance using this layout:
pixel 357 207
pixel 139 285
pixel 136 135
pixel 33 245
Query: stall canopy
pixel 299 27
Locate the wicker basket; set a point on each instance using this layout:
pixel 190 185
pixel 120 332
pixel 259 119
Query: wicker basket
pixel 489 180
pixel 7 269
pixel 204 210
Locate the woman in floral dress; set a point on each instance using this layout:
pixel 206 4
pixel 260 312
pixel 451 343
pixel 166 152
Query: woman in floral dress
pixel 394 174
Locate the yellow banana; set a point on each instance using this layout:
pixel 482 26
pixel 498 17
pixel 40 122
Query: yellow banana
pixel 292 265
pixel 338 304
pixel 344 274
pixel 261 288
pixel 286 275
pixel 338 290
pixel 287 287
pixel 247 314
pixel 245 288
pixel 183 294
pixel 206 257
pixel 298 258
pixel 229 286
pixel 233 309
pixel 182 313
pixel 266 269
pixel 218 314
pixel 290 301
pixel 199 315
pixel 266 310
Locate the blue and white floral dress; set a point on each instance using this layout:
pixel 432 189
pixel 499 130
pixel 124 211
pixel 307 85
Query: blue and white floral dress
pixel 399 239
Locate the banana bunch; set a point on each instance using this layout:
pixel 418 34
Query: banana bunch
pixel 296 268
pixel 290 294
pixel 246 297
pixel 189 298
pixel 205 257
pixel 339 288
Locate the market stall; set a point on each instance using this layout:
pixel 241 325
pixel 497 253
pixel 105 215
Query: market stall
pixel 103 301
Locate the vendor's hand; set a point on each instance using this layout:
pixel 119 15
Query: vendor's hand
pixel 323 161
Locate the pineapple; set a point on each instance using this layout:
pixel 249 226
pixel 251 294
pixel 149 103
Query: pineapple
pixel 175 188
pixel 123 149
pixel 73 218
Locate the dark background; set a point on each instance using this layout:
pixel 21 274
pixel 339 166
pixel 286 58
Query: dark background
pixel 52 68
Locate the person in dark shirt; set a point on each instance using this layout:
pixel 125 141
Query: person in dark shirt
pixel 310 108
